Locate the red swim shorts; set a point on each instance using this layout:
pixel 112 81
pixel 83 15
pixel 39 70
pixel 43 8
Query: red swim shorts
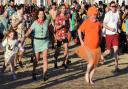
pixel 112 40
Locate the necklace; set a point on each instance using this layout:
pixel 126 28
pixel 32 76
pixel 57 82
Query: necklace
pixel 40 21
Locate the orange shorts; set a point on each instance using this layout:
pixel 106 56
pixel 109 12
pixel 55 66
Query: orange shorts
pixel 90 55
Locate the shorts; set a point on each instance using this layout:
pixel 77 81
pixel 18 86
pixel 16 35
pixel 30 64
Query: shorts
pixel 1 37
pixel 74 34
pixel 59 43
pixel 112 40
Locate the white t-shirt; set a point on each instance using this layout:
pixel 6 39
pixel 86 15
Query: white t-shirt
pixel 111 19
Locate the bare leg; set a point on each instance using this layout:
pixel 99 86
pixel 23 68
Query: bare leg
pixel 16 59
pixel 91 75
pixel 37 56
pixel 116 56
pixel 65 60
pixel 65 52
pixel 57 51
pixel 5 62
pixel 107 52
pixel 89 66
pixel 102 59
pixel 21 53
pixel 4 65
pixel 87 75
pixel 12 67
pixel 20 58
pixel 45 64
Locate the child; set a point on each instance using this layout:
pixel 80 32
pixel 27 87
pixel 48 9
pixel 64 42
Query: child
pixel 10 43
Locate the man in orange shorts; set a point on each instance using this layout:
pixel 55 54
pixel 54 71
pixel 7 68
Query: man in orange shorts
pixel 90 48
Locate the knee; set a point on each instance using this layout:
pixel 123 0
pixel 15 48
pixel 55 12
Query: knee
pixel 65 51
pixel 90 64
pixel 115 51
pixel 21 53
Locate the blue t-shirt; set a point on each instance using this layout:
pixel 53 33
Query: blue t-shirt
pixel 10 11
pixel 127 25
pixel 3 24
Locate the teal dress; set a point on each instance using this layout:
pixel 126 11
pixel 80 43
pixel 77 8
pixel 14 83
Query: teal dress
pixel 3 24
pixel 40 34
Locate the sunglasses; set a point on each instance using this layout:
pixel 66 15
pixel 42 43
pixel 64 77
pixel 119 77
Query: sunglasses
pixel 113 6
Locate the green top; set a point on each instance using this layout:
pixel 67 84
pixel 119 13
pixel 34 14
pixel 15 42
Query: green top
pixel 73 20
pixel 3 24
pixel 40 30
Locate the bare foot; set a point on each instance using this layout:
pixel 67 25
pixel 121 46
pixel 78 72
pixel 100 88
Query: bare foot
pixel 102 60
pixel 91 82
pixel 87 77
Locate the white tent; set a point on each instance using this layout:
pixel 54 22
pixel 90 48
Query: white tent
pixel 108 1
pixel 96 1
pixel 41 2
pixel 19 1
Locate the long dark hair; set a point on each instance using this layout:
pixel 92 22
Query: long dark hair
pixel 61 7
pixel 37 13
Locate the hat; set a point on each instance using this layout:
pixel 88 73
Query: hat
pixel 92 11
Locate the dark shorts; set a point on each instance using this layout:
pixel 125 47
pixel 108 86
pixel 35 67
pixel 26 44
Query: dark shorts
pixel 59 43
pixel 1 37
pixel 112 40
pixel 74 34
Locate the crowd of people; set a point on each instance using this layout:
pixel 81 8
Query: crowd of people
pixel 97 29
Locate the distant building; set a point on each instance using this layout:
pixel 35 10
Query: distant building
pixel 118 1
pixel 48 2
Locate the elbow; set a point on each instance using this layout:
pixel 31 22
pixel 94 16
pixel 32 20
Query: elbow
pixel 105 26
